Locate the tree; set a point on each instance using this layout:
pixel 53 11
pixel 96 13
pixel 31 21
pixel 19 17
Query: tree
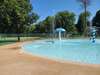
pixel 45 25
pixel 81 22
pixel 65 20
pixel 30 29
pixel 62 19
pixel 96 19
pixel 48 24
pixel 14 15
pixel 84 4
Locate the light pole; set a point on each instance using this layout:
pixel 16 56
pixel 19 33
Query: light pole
pixel 85 17
pixel 53 24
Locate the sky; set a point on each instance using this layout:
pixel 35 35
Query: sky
pixel 46 8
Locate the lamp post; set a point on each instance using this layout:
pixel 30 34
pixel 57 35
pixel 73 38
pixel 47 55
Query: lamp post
pixel 53 24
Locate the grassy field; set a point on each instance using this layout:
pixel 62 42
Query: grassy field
pixel 9 40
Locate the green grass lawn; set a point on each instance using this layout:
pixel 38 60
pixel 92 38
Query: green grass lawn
pixel 5 43
pixel 9 40
pixel 5 40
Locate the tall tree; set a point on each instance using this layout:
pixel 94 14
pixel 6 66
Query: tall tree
pixel 84 4
pixel 96 22
pixel 80 24
pixel 65 20
pixel 96 19
pixel 30 29
pixel 14 15
pixel 45 25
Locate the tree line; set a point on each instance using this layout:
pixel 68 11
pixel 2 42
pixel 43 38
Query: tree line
pixel 67 20
pixel 17 16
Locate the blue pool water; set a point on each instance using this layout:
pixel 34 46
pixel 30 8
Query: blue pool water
pixel 76 50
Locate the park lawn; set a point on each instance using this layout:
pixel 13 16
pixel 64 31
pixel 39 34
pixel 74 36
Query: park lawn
pixel 9 40
pixel 6 40
pixel 5 43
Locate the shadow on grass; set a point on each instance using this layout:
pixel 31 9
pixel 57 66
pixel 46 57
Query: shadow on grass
pixel 5 42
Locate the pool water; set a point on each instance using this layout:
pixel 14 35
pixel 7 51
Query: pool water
pixel 76 50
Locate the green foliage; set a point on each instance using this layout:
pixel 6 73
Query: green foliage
pixel 96 19
pixel 29 29
pixel 46 25
pixel 81 26
pixel 15 14
pixel 84 4
pixel 62 19
pixel 65 20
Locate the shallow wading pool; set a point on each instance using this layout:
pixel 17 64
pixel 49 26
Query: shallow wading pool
pixel 75 50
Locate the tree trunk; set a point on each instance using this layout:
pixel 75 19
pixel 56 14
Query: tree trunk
pixel 18 37
pixel 18 33
pixel 85 20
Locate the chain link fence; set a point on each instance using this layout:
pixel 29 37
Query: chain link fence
pixel 30 36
